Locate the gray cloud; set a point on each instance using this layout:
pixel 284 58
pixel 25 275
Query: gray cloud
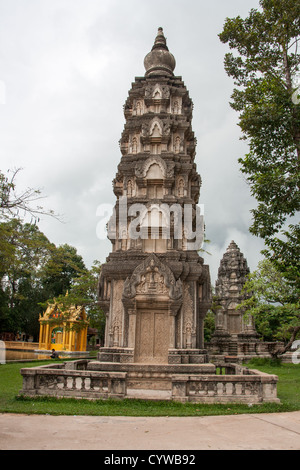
pixel 67 66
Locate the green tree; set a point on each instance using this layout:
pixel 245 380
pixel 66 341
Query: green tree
pixel 83 291
pixel 63 267
pixel 209 325
pixel 274 304
pixel 264 69
pixel 32 269
pixel 24 251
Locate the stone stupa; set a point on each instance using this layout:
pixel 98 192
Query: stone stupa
pixel 155 287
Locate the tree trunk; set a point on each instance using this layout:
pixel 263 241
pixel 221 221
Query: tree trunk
pixel 279 351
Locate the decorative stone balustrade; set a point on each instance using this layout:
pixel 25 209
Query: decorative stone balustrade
pixel 238 385
pixel 231 383
pixel 62 380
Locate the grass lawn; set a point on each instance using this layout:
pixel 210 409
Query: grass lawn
pixel 11 384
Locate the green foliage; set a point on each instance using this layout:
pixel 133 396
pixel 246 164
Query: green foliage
pixel 24 252
pixel 83 292
pixel 63 267
pixel 210 319
pixel 264 361
pixel 264 70
pixel 209 325
pixel 273 303
pixel 34 270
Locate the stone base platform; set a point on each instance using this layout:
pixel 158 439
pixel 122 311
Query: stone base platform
pixel 152 376
pixel 175 356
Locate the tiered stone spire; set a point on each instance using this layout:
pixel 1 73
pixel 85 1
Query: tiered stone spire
pixel 231 325
pixel 232 272
pixel 154 287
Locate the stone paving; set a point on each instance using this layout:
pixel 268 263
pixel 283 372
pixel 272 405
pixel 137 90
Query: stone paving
pixel 278 431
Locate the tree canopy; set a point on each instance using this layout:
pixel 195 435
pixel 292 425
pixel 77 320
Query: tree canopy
pixel 34 271
pixel 265 70
pixel 274 304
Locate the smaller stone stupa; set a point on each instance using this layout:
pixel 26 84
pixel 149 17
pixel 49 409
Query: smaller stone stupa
pixel 233 329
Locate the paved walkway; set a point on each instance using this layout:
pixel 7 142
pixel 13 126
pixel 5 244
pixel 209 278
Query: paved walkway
pixel 278 431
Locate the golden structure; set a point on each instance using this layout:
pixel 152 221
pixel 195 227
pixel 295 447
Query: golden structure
pixel 63 330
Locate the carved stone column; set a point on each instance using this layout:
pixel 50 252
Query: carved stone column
pixel 131 327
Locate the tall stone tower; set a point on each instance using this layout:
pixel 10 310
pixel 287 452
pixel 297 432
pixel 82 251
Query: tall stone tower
pixel 154 287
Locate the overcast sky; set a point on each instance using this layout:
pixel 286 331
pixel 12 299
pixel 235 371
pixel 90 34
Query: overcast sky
pixel 65 70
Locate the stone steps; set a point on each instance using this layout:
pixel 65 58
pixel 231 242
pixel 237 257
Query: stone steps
pixel 233 348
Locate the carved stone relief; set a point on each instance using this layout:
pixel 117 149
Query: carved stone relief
pixel 152 283
pixel 158 275
pixel 142 168
pixel 118 313
pixel 188 304
pixel 138 107
pixel 157 91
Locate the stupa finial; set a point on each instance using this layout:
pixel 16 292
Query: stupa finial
pixel 159 61
pixel 160 40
